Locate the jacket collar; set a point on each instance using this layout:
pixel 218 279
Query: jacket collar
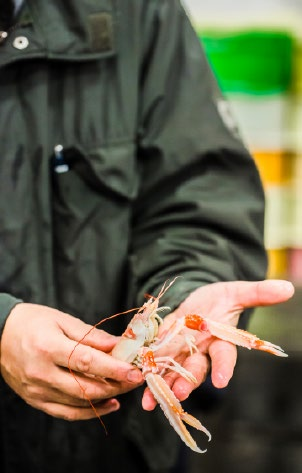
pixel 72 30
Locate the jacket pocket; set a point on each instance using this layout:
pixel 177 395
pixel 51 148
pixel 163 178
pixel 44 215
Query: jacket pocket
pixel 107 169
pixel 91 200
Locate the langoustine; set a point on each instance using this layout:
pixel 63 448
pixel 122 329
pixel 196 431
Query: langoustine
pixel 139 344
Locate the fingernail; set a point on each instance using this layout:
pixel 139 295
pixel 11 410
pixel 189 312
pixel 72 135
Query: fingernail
pixel 134 376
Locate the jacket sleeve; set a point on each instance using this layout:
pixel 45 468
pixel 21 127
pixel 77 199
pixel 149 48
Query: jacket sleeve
pixel 7 303
pixel 200 209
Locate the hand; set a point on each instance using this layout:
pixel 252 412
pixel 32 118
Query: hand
pixel 222 301
pixel 36 345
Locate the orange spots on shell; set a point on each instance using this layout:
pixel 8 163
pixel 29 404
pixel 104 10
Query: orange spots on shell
pixel 195 322
pixel 149 359
pixel 129 333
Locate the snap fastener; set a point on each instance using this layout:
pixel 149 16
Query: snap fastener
pixel 20 42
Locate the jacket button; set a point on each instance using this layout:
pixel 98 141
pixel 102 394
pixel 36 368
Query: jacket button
pixel 20 42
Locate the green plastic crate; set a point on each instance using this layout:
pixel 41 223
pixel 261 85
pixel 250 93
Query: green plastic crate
pixel 250 62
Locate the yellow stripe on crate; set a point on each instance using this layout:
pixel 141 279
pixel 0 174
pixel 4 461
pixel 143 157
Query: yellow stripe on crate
pixel 277 263
pixel 278 215
pixel 275 167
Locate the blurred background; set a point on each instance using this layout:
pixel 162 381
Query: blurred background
pixel 255 49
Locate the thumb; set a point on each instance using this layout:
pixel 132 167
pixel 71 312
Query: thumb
pixel 262 293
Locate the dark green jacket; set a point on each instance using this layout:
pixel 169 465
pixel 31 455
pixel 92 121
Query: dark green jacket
pixel 157 185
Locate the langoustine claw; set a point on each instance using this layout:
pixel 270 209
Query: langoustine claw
pixel 231 334
pixel 174 412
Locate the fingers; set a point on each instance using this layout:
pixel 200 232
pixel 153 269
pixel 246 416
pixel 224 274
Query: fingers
pixel 36 357
pixel 262 293
pixel 223 359
pixel 75 329
pixel 77 389
pixel 148 401
pixel 71 413
pixel 197 364
pixel 89 361
pixel 78 392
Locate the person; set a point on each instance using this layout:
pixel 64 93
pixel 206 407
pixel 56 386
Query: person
pixel 119 170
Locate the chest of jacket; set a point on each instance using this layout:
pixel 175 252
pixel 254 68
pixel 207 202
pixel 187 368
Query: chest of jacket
pixel 67 87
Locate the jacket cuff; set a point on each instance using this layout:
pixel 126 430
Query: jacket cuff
pixel 7 303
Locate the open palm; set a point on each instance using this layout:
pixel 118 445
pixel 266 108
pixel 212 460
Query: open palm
pixel 222 302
